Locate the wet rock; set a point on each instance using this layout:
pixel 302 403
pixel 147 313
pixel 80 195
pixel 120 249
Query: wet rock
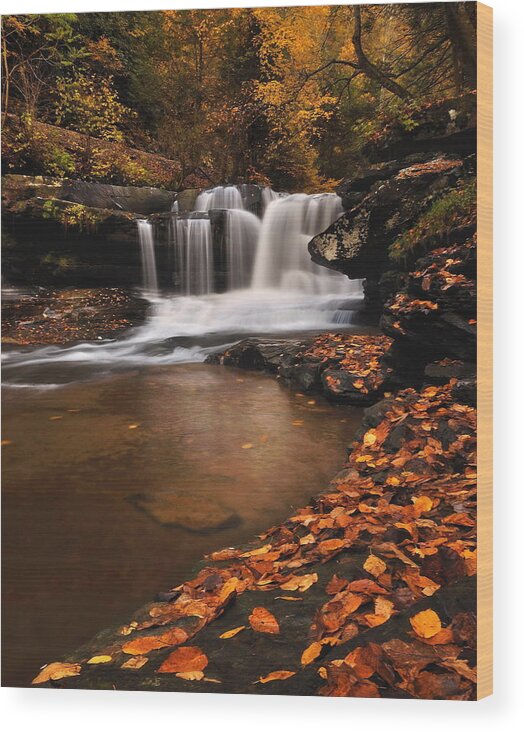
pixel 357 243
pixel 345 368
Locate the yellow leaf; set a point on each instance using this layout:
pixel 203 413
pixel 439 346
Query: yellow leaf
pixel 370 438
pixel 247 446
pixel 374 565
pixel 132 426
pixel 426 624
pixel 232 633
pixel 288 597
pixel 311 653
pixel 100 659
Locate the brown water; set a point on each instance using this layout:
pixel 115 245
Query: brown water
pixel 113 489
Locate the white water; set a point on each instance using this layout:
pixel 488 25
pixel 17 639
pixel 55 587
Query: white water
pixel 283 260
pixel 242 232
pixel 273 287
pixel 147 253
pixel 193 245
pixel 219 197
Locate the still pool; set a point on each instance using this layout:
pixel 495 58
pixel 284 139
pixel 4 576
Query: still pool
pixel 114 488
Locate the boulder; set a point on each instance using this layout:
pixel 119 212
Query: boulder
pixel 357 243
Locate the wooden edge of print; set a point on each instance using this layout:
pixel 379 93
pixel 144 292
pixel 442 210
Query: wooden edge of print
pixel 485 348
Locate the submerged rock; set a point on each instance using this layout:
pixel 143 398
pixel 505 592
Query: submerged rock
pixel 169 509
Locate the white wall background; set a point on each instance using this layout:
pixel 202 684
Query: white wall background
pixel 87 711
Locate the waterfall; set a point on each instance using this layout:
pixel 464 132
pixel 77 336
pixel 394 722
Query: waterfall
pixel 193 255
pixel 220 197
pixel 242 230
pixel 147 253
pixel 282 259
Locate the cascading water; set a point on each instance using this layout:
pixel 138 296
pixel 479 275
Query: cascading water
pixel 242 231
pixel 193 255
pixel 147 254
pixel 219 197
pixel 272 286
pixel 283 260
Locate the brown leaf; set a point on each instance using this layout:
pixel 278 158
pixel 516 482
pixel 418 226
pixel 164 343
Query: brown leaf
pixel 135 662
pixel 57 670
pixel 262 621
pixel 184 659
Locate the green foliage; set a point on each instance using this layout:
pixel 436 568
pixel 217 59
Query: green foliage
pixel 456 207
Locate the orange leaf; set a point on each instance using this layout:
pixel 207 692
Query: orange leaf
pixel 138 646
pixel 262 621
pixel 185 659
pixel 275 676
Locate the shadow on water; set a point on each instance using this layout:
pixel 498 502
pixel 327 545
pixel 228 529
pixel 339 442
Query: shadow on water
pixel 114 488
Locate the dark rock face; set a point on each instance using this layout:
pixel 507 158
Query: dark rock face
pixel 54 236
pixel 357 243
pixel 139 200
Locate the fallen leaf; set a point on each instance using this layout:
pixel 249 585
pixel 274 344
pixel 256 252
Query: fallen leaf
pixel 231 633
pixel 100 659
pixel 375 566
pixel 184 659
pixel 426 624
pixel 300 582
pixel 247 446
pixel 55 417
pixel 290 598
pixel 57 670
pixel 275 676
pixel 132 426
pixel 190 675
pixel 311 653
pixel 135 662
pixel 262 621
pixel 147 643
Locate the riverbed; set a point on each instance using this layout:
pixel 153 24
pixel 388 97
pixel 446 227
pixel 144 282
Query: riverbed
pixel 114 488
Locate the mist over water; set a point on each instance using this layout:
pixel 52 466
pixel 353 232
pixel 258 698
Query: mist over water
pixel 273 287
